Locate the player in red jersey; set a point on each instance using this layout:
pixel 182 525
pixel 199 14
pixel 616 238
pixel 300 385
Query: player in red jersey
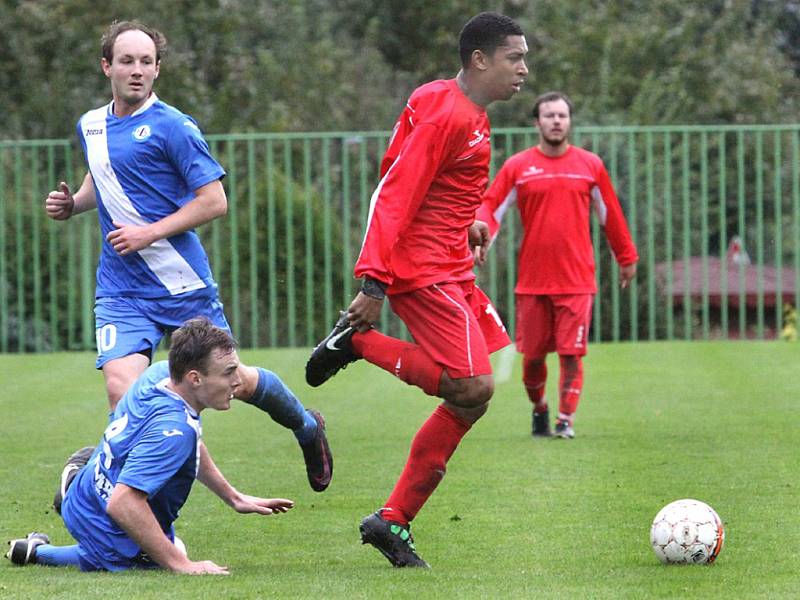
pixel 554 185
pixel 417 250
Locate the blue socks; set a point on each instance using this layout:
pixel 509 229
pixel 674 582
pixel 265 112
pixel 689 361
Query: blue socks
pixel 57 556
pixel 274 398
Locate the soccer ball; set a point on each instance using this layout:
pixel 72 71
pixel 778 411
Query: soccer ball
pixel 687 531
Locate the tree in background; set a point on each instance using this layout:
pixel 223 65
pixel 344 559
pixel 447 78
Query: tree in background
pixel 313 65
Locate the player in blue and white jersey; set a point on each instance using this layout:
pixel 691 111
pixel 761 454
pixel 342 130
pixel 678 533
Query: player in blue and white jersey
pixel 121 507
pixel 153 180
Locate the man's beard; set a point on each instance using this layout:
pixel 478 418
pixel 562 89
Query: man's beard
pixel 552 141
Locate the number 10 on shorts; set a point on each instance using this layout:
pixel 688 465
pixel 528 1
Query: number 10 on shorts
pixel 106 337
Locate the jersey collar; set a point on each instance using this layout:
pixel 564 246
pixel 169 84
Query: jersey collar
pixel 152 99
pixel 163 387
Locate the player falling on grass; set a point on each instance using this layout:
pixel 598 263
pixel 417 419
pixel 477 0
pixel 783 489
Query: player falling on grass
pixel 153 180
pixel 417 251
pixel 554 185
pixel 121 508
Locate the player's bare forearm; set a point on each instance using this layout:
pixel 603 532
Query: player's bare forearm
pixel 209 203
pixel 129 509
pixel 364 311
pixel 85 198
pixel 210 476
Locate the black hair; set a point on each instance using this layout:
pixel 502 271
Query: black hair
pixel 485 32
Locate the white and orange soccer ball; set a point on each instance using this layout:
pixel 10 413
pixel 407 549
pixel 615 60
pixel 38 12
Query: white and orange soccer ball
pixel 688 532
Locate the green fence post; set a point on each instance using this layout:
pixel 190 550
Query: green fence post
pixel 19 249
pixel 252 236
pixel 272 246
pixel 291 289
pixel 309 243
pixel 687 249
pixel 327 233
pixel 742 230
pixel 634 287
pixel 704 231
pixel 34 199
pixel 346 263
pixel 778 243
pixel 4 303
pixel 760 232
pixel 668 257
pixel 651 238
pixel 723 237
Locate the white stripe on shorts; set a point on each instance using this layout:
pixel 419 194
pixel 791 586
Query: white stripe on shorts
pixel 466 319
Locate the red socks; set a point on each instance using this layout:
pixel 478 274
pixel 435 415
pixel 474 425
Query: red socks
pixel 534 376
pixel 404 360
pixel 570 385
pixel 431 448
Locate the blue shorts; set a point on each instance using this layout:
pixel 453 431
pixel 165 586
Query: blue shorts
pixel 125 326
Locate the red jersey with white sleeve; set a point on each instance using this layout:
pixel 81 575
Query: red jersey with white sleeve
pixel 554 195
pixel 433 175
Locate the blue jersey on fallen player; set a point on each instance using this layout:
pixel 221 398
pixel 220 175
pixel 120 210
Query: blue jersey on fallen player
pixel 152 445
pixel 120 501
pixel 145 167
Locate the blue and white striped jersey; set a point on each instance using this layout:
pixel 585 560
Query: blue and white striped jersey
pixel 146 166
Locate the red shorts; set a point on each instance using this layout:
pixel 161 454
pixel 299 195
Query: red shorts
pixel 548 323
pixel 455 323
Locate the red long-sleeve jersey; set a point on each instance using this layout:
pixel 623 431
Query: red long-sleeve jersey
pixel 554 197
pixel 433 175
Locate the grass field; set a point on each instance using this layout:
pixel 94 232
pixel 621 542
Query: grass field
pixel 514 517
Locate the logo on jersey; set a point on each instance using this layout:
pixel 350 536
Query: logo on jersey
pixel 171 433
pixel 141 133
pixel 94 131
pixel 532 170
pixel 478 138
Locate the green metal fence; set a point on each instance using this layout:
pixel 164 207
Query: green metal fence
pixel 298 202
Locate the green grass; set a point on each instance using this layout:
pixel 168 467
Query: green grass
pixel 515 517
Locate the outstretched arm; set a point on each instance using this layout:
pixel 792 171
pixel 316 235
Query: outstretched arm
pixel 209 203
pixel 211 477
pixel 130 510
